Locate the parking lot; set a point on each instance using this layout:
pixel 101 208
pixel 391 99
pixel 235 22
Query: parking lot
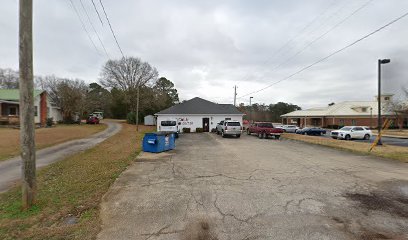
pixel 250 188
pixel 386 140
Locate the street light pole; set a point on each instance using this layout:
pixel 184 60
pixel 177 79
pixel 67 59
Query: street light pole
pixel 250 109
pixel 371 117
pixel 380 61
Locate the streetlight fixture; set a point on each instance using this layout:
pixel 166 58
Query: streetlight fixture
pixel 250 109
pixel 380 61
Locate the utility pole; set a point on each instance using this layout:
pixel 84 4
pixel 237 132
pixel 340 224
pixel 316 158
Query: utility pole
pixel 235 95
pixel 380 61
pixel 27 134
pixel 137 109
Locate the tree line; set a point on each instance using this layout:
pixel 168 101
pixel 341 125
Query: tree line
pixel 120 83
pixel 269 113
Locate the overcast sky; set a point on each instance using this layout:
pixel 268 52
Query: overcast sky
pixel 207 47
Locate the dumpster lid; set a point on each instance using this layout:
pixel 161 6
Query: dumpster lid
pixel 161 133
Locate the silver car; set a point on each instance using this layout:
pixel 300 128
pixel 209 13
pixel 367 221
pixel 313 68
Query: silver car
pixel 290 128
pixel 228 128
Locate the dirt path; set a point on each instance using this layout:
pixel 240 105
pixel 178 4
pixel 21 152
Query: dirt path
pixel 10 170
pixel 252 188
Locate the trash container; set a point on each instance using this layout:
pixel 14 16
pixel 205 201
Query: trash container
pixel 158 142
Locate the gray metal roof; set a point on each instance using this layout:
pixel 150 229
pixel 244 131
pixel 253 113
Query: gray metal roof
pixel 201 106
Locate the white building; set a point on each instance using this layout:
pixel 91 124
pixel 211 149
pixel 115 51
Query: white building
pixel 10 107
pixel 198 113
pixel 149 120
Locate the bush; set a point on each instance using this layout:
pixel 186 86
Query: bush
pixel 49 122
pixel 131 118
pixel 213 130
pixel 186 130
pixel 199 130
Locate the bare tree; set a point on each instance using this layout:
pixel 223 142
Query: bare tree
pixel 69 95
pixel 399 107
pixel 9 78
pixel 128 74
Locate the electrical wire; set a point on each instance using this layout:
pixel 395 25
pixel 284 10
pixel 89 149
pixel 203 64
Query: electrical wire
pixel 97 12
pixel 93 27
pixel 110 26
pixel 330 55
pixel 83 26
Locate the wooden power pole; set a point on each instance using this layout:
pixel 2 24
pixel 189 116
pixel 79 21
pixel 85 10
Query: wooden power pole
pixel 29 185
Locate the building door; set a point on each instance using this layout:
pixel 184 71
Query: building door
pixel 206 124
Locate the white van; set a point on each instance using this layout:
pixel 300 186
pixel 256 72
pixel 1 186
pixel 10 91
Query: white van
pixel 169 126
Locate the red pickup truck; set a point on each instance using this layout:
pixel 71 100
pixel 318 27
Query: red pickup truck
pixel 264 130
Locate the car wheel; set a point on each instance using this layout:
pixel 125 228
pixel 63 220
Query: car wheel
pixel 334 137
pixel 238 135
pixel 260 135
pixel 367 137
pixel 218 132
pixel 248 132
pixel 222 134
pixel 347 137
pixel 264 135
pixel 277 136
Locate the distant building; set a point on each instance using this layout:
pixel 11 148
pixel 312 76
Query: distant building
pixel 149 120
pixel 198 113
pixel 10 107
pixel 348 113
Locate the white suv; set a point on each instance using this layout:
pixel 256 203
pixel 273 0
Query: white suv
pixel 352 132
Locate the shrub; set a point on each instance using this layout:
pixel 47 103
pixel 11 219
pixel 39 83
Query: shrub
pixel 213 130
pixel 199 130
pixel 49 122
pixel 186 130
pixel 131 118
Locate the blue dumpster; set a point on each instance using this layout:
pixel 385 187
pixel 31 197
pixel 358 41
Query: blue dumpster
pixel 158 142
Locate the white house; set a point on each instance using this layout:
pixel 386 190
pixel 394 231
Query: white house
pixel 10 107
pixel 199 113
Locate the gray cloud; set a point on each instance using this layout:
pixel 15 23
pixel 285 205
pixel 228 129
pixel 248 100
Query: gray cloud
pixel 207 47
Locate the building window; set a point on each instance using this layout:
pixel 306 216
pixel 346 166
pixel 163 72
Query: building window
pixel 12 111
pixel 364 109
pixel 227 118
pixel 386 98
pixel 353 122
pixel 35 111
pixel 341 122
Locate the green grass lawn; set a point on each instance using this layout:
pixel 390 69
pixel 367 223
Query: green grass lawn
pixel 71 188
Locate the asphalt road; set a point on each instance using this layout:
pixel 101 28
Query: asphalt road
pixel 249 188
pixel 386 140
pixel 10 170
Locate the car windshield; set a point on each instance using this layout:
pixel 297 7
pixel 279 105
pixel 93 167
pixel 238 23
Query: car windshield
pixel 345 128
pixel 265 125
pixel 233 124
pixel 168 123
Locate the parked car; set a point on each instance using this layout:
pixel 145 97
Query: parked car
pixel 264 130
pixel 228 128
pixel 290 128
pixel 169 126
pixel 352 132
pixel 92 120
pixel 311 131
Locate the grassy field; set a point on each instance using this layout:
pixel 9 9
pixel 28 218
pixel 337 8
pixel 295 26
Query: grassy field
pixel 401 133
pixel 44 137
pixel 387 151
pixel 70 190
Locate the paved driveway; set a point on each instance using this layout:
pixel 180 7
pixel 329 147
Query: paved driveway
pixel 10 170
pixel 252 188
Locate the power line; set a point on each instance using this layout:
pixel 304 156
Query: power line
pixel 110 26
pixel 330 55
pixel 83 26
pixel 97 12
pixel 321 36
pixel 288 42
pixel 93 27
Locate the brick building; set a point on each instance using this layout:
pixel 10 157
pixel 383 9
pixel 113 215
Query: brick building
pixel 348 113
